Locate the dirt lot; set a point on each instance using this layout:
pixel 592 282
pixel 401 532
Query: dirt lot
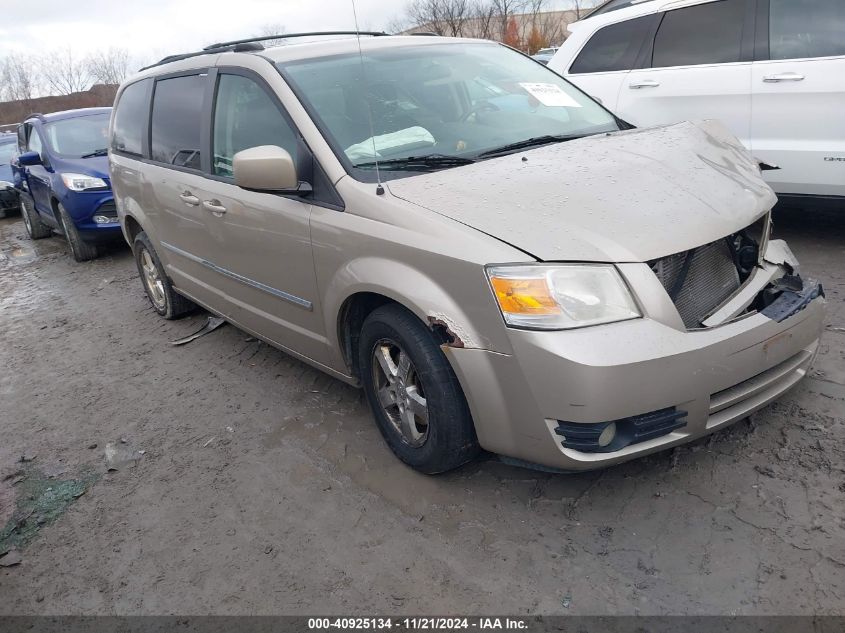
pixel 264 486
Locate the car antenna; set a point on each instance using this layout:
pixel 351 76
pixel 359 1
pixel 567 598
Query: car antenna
pixel 379 187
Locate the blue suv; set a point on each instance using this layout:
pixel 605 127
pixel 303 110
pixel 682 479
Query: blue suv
pixel 62 174
pixel 8 194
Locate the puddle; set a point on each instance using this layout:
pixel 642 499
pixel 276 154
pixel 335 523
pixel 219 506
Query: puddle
pixel 40 501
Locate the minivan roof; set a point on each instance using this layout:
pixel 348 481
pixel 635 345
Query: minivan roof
pixel 297 49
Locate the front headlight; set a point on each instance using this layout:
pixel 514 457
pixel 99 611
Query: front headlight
pixel 81 182
pixel 5 184
pixel 561 296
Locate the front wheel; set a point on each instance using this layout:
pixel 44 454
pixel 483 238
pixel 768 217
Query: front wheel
pixel 81 250
pixel 415 396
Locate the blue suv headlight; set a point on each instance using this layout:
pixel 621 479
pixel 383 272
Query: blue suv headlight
pixel 81 182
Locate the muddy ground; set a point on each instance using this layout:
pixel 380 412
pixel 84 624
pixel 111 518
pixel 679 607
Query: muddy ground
pixel 264 486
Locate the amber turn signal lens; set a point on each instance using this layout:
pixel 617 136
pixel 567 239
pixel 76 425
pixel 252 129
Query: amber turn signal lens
pixel 524 296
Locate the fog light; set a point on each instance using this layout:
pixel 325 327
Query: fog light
pixel 104 219
pixel 608 435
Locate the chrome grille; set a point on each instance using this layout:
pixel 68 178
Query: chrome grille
pixel 711 278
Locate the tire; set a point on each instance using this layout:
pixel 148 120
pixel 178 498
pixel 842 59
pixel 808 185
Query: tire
pixel 164 299
pixel 81 250
pixel 36 229
pixel 427 381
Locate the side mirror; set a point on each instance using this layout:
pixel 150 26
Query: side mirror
pixel 267 168
pixel 30 158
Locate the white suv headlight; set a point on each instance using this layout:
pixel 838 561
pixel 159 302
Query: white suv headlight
pixel 81 182
pixel 561 296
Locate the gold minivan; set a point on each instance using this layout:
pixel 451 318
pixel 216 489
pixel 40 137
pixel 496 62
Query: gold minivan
pixel 499 261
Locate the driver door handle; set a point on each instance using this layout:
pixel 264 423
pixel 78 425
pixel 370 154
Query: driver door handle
pixel 214 206
pixel 190 199
pixel 773 79
pixel 645 83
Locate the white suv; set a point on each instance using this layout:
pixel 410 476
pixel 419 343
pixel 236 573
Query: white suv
pixel 772 70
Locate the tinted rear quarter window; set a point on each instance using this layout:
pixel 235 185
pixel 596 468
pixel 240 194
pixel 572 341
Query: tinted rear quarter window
pixel 614 47
pixel 702 34
pixel 806 28
pixel 177 110
pixel 129 119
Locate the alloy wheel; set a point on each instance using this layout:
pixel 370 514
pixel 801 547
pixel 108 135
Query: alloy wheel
pixel 400 392
pixel 152 280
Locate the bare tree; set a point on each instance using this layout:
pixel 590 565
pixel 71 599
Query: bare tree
pixel 109 66
pixel 63 73
pixel 271 28
pixel 427 15
pixel 456 13
pixel 483 14
pixel 504 10
pixel 444 17
pixel 18 78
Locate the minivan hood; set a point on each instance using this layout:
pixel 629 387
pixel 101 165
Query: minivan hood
pixel 630 196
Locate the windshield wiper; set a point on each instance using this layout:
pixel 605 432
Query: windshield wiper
pixel 419 163
pixel 534 141
pixel 96 152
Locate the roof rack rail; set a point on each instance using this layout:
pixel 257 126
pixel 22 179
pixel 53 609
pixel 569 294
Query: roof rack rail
pixel 240 48
pixel 285 36
pixel 253 44
pixel 425 34
pixel 34 115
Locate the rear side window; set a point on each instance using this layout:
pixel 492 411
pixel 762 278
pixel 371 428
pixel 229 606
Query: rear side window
pixel 245 116
pixel 806 28
pixel 177 110
pixel 703 34
pixel 614 47
pixel 129 119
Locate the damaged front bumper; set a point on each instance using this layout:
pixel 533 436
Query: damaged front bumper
pixel 657 382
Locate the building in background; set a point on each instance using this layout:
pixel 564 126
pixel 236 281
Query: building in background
pixel 13 112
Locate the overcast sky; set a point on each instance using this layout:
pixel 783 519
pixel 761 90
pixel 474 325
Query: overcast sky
pixel 151 29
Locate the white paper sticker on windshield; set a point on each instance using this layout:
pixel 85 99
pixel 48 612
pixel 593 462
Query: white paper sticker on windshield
pixel 550 95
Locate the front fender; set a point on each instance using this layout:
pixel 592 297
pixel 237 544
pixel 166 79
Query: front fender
pixel 421 294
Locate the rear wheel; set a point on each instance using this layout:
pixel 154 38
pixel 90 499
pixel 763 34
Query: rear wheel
pixel 34 226
pixel 164 299
pixel 415 396
pixel 81 250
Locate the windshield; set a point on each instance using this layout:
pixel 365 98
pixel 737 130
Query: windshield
pixel 444 100
pixel 7 151
pixel 81 136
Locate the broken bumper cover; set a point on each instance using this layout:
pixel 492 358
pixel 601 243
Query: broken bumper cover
pixel 795 294
pixel 523 403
